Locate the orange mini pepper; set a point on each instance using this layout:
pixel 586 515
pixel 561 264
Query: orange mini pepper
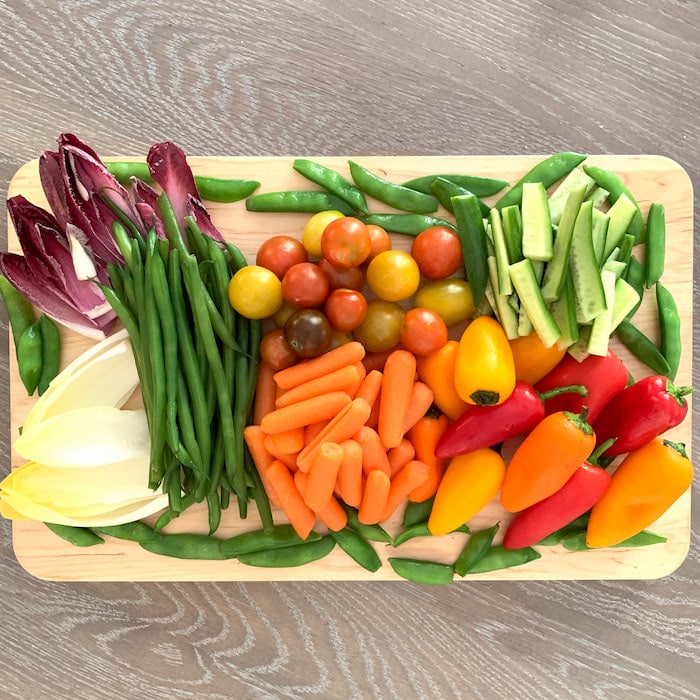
pixel 437 370
pixel 532 359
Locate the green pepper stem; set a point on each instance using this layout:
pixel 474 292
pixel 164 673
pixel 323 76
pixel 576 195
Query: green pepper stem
pixel 678 392
pixel 594 459
pixel 677 446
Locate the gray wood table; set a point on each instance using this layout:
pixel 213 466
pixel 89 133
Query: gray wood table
pixel 334 78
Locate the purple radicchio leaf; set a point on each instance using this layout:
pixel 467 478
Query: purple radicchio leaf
pixel 196 209
pixel 146 202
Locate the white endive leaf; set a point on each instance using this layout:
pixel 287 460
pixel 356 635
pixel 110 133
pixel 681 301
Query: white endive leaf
pixel 106 379
pixel 86 437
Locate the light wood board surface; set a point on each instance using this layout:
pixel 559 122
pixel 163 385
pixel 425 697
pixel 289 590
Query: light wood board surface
pixel 650 178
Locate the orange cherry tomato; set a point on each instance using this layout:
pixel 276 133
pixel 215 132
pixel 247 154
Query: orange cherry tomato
pixel 438 252
pixel 345 242
pixel 423 331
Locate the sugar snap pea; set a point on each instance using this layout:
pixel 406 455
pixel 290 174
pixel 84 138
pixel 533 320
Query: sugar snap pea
pixel 642 347
pixel 498 557
pixel 423 571
pixel 298 201
pixel 332 181
pixel 480 186
pixel 20 312
pixel 286 557
pixel 574 526
pixel 547 171
pixel 472 236
pixel 29 357
pixel 475 548
pixel 420 530
pixel 185 545
pixel 391 194
pixel 279 536
pixel 135 531
pixel 576 541
pixel 670 329
pixel 375 533
pixel 417 512
pixel 444 190
pixel 77 536
pixel 634 276
pixel 655 253
pixel 357 548
pixel 408 224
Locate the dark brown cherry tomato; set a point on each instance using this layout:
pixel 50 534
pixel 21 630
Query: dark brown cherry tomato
pixel 279 253
pixel 381 329
pixel 275 350
pixel 438 252
pixel 308 333
pixel 345 309
pixel 342 277
pixel 345 242
pixel 305 285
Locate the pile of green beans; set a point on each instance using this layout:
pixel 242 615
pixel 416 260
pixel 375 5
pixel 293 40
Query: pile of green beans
pixel 197 364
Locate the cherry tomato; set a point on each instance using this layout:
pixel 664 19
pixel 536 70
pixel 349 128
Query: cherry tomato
pixel 342 277
pixel 255 292
pixel 345 242
pixel 450 298
pixel 422 331
pixel 381 329
pixel 279 253
pixel 345 309
pixel 393 275
pixel 282 314
pixel 275 350
pixel 305 285
pixel 315 226
pixel 308 333
pixel 380 241
pixel 438 252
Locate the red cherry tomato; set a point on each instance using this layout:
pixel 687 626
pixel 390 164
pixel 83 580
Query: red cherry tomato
pixel 345 242
pixel 279 253
pixel 380 241
pixel 342 277
pixel 275 350
pixel 305 285
pixel 345 309
pixel 422 331
pixel 438 252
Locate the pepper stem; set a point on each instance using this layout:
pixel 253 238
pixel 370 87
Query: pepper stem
pixel 595 457
pixel 571 389
pixel 677 446
pixel 678 392
pixel 580 420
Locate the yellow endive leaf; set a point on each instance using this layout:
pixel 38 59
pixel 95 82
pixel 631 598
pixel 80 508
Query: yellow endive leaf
pixel 86 437
pixel 9 513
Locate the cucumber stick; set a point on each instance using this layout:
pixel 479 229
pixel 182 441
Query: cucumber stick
pixel 621 214
pixel 537 223
pixel 574 181
pixel 564 313
pixel 601 221
pixel 513 231
pixel 501 303
pixel 501 251
pixel 601 328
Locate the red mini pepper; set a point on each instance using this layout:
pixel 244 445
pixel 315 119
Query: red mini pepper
pixel 484 426
pixel 578 495
pixel 641 412
pixel 604 377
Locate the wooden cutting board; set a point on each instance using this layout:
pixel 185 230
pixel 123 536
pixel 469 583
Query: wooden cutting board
pixel 650 178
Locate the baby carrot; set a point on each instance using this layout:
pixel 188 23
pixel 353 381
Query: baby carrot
pixel 361 374
pixel 300 516
pixel 265 392
pixel 373 451
pixel 350 473
pixel 375 497
pixel 332 515
pixel 262 459
pixel 342 427
pixel 399 375
pixel 322 475
pixel 370 387
pixel 424 436
pixel 420 401
pixel 289 441
pixel 400 455
pixel 341 356
pixel 343 379
pixel 288 459
pixel 411 477
pixel 311 431
pixel 305 412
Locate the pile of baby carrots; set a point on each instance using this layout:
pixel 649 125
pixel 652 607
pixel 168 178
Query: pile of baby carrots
pixel 327 433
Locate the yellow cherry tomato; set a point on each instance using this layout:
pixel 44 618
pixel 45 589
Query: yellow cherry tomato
pixel 393 275
pixel 451 299
pixel 314 228
pixel 255 292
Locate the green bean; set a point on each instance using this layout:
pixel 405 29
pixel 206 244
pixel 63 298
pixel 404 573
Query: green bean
pixel 279 536
pixel 123 241
pixel 209 487
pixel 135 531
pixel 576 541
pixel 186 424
pixel 285 557
pixel 116 279
pixel 236 258
pixel 125 315
pixel 213 511
pixel 224 497
pixel 122 216
pixel 574 526
pixel 642 347
pixel 333 182
pixel 472 235
pixel 420 530
pixel 480 186
pixel 50 352
pixel 498 557
pixel 408 224
pixel 391 194
pixel 547 171
pixel 634 276
pixel 375 533
pixel 172 484
pixel 474 550
pixel 611 182
pixel 187 546
pixel 357 548
pixel 29 357
pixel 168 515
pixel 172 227
pixel 444 190
pixel 417 512
pixel 655 254
pixel 20 312
pixel 77 536
pixel 431 573
pixel 297 201
pixel 259 494
pixel 670 329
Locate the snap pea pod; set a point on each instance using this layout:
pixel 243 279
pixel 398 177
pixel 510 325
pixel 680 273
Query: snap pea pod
pixel 634 276
pixel 357 548
pixel 444 190
pixel 279 536
pixel 480 186
pixel 642 347
pixel 77 536
pixel 20 312
pixel 420 530
pixel 135 531
pixel 186 545
pixel 576 541
pixel 574 526
pixel 431 573
pixel 611 182
pixel 298 201
pixel 332 181
pixel 498 557
pixel 547 171
pixel 474 550
pixel 408 224
pixel 670 329
pixel 655 253
pixel 29 357
pixel 417 512
pixel 287 557
pixel 212 189
pixel 375 533
pixel 472 236
pixel 391 194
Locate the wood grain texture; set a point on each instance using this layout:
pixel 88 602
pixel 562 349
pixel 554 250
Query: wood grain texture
pixel 650 178
pixel 270 78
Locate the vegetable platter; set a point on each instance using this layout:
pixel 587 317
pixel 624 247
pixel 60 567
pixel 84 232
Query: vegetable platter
pixel 650 178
